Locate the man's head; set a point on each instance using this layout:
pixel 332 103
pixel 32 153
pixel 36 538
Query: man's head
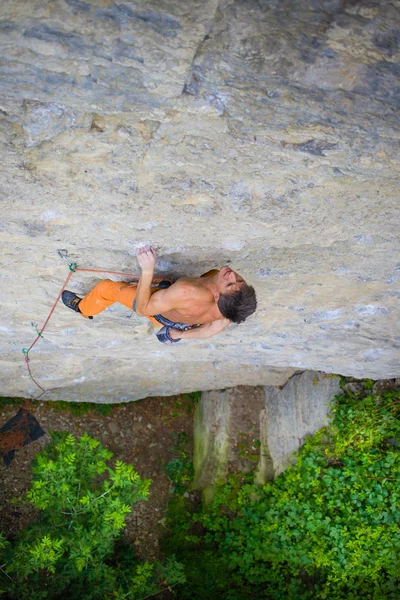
pixel 236 300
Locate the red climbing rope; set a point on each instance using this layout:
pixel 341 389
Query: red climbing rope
pixel 73 269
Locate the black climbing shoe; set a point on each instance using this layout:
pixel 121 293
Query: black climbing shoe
pixel 71 300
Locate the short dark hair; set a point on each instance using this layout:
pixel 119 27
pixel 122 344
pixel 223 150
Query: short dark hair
pixel 238 305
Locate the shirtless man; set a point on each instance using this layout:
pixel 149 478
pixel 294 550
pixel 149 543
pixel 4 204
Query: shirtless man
pixel 190 308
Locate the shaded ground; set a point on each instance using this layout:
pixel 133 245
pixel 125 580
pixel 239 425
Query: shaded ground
pixel 140 433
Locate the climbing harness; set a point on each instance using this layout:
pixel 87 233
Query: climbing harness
pixel 73 268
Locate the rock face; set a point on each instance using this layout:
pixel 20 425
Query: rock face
pixel 238 427
pixel 227 436
pixel 263 134
pixel 292 414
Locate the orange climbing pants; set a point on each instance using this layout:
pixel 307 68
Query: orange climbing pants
pixel 105 293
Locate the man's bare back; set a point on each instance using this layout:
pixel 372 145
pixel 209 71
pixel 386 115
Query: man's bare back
pixel 195 302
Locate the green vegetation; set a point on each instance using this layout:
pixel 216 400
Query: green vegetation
pixel 186 403
pixel 183 405
pixel 180 468
pixel 248 447
pixel 327 528
pixel 205 568
pixel 76 408
pixel 70 550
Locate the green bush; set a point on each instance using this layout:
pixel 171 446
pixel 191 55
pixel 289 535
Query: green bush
pixel 70 550
pixel 180 468
pixel 205 570
pixel 328 527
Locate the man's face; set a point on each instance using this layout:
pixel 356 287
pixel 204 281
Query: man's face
pixel 228 281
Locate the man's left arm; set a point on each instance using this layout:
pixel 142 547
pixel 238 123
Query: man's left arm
pixel 203 332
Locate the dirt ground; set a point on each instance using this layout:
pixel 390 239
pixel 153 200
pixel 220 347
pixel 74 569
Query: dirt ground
pixel 139 433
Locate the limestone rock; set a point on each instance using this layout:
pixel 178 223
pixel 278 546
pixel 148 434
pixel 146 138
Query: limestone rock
pixel 265 469
pixel 260 134
pixel 241 428
pixel 298 410
pixel 211 438
pixel 384 385
pixel 353 386
pixel 226 435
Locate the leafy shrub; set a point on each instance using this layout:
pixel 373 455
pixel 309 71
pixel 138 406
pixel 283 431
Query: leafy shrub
pixel 70 550
pixel 328 527
pixel 205 570
pixel 180 468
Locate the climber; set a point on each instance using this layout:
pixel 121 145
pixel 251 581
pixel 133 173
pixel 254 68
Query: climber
pixel 190 308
